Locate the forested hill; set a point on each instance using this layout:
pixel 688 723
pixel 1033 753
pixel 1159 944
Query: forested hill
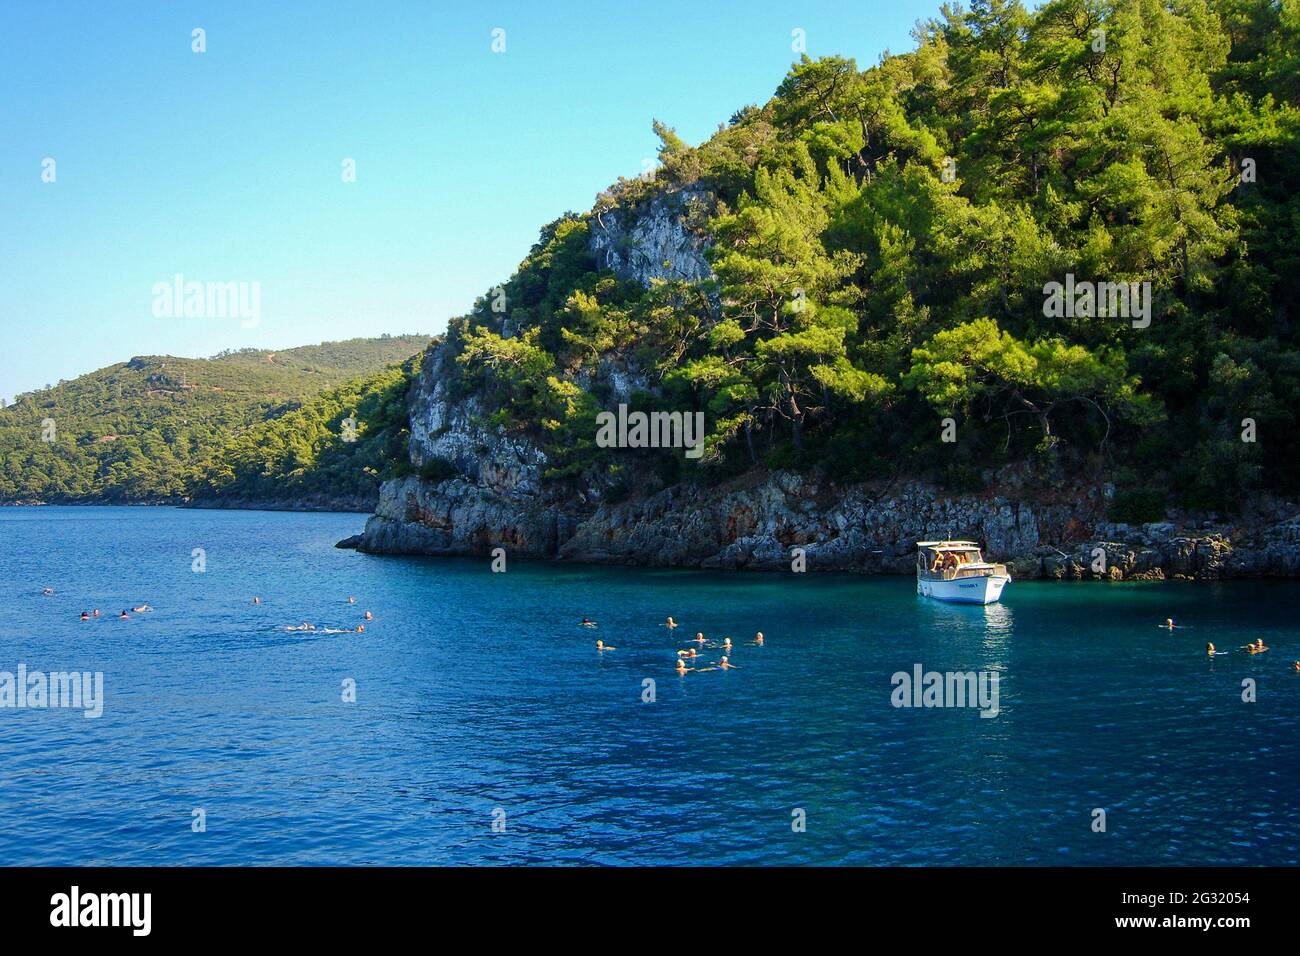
pixel 151 428
pixel 882 243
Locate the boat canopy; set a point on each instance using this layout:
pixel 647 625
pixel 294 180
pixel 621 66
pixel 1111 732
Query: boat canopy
pixel 949 545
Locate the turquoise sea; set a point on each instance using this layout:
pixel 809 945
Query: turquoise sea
pixel 479 700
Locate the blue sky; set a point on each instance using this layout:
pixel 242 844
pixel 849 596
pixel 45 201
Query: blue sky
pixel 226 165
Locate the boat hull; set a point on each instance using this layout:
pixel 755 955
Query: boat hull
pixel 983 589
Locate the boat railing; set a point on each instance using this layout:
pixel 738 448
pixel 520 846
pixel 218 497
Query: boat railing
pixel 967 571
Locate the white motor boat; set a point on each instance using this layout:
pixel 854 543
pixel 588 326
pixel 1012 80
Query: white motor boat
pixel 956 571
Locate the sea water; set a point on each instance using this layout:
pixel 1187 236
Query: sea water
pixel 474 721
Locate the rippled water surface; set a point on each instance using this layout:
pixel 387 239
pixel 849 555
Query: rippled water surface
pixel 478 691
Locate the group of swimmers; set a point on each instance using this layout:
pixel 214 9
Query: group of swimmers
pixel 304 626
pixel 723 663
pixel 90 615
pixel 1256 648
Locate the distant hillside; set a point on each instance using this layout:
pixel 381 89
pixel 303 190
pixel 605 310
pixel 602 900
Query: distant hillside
pixel 333 452
pixel 147 429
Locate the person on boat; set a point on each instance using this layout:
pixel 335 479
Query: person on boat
pixel 758 638
pixel 726 664
pixel 602 646
pixel 368 616
pixel 699 637
pixel 588 622
pixel 670 624
pixel 85 616
pixel 1209 649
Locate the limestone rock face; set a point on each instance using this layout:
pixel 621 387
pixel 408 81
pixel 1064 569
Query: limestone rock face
pixel 654 243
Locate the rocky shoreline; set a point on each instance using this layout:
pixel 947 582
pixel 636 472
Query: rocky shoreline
pixel 758 522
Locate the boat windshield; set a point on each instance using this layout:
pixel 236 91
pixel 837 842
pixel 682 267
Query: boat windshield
pixel 943 559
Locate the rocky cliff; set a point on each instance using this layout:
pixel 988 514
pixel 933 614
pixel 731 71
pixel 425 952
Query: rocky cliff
pixel 485 488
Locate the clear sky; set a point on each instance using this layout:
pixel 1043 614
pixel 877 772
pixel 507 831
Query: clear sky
pixel 226 166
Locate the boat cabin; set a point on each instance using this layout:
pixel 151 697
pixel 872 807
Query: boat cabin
pixel 946 560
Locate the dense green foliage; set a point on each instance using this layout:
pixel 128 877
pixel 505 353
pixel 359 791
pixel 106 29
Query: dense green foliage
pixel 882 241
pixel 154 427
pixel 337 447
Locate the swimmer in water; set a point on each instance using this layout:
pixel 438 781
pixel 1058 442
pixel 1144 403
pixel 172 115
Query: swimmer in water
pixel 123 616
pixel 758 638
pixel 142 608
pixel 351 599
pixel 48 591
pixel 304 626
pixel 726 642
pixel 96 614
pixel 85 616
pixel 682 668
pixel 1169 624
pixel 1297 667
pixel 726 665
pixel 257 600
pixel 1259 647
pixel 369 616
pixel 588 622
pixel 361 629
pixel 1209 649
pixel 699 637
pixel 602 646
pixel 670 624
pixel 690 652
